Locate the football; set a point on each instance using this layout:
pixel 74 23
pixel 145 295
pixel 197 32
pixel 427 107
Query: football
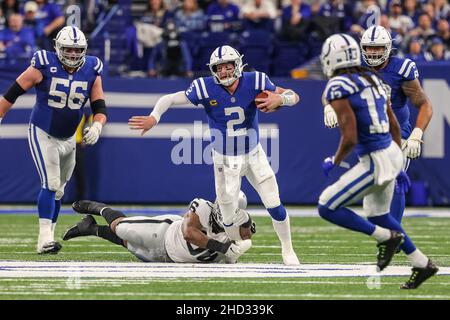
pixel 259 96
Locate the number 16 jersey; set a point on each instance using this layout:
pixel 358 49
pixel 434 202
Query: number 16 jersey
pixel 61 96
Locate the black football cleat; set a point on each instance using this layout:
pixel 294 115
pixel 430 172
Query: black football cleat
pixel 88 207
pixel 86 227
pixel 388 248
pixel 419 275
pixel 51 247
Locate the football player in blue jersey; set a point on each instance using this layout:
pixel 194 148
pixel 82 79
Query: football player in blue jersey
pixel 402 77
pixel 228 97
pixel 369 127
pixel 64 80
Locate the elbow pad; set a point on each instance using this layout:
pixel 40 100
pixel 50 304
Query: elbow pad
pixel 14 92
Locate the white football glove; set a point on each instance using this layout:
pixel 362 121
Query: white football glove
pixel 412 146
pixel 330 117
pixel 236 250
pixel 92 133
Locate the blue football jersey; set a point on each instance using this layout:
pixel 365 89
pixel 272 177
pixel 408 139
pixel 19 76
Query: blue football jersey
pixel 233 118
pixel 369 106
pixel 394 74
pixel 61 96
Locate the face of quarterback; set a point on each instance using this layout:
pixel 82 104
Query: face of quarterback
pixel 225 70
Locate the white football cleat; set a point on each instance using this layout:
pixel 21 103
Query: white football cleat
pixel 51 247
pixel 290 259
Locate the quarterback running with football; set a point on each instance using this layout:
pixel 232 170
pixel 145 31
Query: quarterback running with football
pixel 64 81
pixel 197 237
pixel 228 97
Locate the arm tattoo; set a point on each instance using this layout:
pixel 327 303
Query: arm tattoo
pixel 413 90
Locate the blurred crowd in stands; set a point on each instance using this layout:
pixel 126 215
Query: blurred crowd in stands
pixel 175 38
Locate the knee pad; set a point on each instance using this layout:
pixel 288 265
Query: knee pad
pixel 278 213
pixel 269 193
pixel 126 232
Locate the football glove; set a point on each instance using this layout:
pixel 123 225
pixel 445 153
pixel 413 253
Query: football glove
pixel 92 133
pixel 328 165
pixel 412 146
pixel 330 117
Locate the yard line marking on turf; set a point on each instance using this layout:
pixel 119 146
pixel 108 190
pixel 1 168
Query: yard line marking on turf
pixel 228 294
pixel 23 269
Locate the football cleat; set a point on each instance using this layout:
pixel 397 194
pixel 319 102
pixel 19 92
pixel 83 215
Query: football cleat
pixel 51 247
pixel 86 227
pixel 419 275
pixel 88 207
pixel 387 249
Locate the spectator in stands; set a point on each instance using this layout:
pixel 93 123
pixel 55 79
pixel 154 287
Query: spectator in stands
pixel 411 9
pixel 438 50
pixel 51 17
pixel 223 16
pixel 10 7
pixel 424 30
pixel 2 20
pixel 156 13
pixel 295 20
pixel 363 13
pixel 171 57
pixel 259 14
pixel 441 9
pixel 29 13
pixel 338 9
pixel 189 18
pixel 428 8
pixel 397 20
pixel 443 31
pixel 16 41
pixel 416 53
pixel 396 37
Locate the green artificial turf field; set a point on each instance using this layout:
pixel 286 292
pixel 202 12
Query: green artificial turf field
pixel 329 255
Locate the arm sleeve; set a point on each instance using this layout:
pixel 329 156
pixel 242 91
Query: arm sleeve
pixel 165 102
pixel 203 209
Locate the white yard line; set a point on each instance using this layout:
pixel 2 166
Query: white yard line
pixel 78 270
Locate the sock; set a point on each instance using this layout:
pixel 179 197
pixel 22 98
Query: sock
pixel 106 233
pixel 56 210
pixel 283 230
pixel 388 222
pixel 46 204
pixel 55 217
pixel 45 231
pixel 381 234
pixel 278 213
pixel 398 206
pixel 418 259
pixel 346 218
pixel 110 214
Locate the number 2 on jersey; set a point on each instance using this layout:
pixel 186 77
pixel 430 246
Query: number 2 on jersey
pixel 231 123
pixel 61 96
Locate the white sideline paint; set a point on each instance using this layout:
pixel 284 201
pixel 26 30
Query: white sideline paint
pixel 24 269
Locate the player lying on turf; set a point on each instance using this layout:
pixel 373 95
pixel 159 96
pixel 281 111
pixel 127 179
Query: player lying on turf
pixel 197 237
